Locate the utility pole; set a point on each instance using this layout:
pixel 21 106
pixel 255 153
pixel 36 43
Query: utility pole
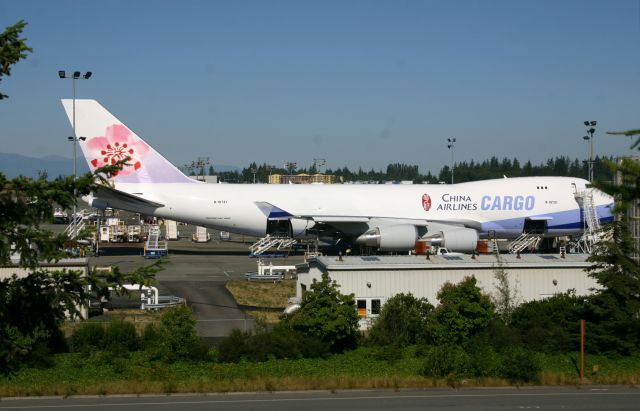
pixel 450 146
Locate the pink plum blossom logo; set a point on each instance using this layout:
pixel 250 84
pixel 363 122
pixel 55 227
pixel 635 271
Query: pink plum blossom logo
pixel 426 202
pixel 117 144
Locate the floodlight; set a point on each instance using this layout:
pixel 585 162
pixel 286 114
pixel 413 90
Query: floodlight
pixel 61 73
pixel 87 75
pixel 76 74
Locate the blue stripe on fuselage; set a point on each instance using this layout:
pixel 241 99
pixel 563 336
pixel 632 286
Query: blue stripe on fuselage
pixel 561 223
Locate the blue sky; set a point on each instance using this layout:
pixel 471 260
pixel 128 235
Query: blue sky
pixel 359 83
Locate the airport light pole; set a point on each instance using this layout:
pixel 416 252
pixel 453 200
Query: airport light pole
pixel 590 125
pixel 75 76
pixel 74 139
pixel 319 162
pixel 450 146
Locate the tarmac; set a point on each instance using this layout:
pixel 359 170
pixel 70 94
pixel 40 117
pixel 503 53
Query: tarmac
pixel 198 273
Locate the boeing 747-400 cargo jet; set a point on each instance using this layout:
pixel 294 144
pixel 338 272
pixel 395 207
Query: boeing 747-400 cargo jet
pixel 385 217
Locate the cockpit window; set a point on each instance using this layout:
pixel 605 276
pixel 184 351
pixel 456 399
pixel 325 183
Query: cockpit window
pixel 588 185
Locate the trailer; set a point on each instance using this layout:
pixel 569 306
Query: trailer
pixel 171 232
pixel 201 235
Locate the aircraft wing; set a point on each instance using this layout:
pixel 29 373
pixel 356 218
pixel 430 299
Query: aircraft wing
pixel 276 213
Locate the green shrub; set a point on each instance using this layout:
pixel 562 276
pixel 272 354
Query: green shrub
pixel 234 347
pixel 281 342
pixel 327 315
pixel 446 360
pixel 121 337
pixel 88 337
pixel 485 362
pixel 550 325
pixel 389 353
pixel 402 321
pixel 177 339
pixel 520 365
pixel 464 311
pixel 150 335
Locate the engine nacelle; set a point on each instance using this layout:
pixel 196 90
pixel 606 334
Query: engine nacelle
pixel 456 239
pixel 401 237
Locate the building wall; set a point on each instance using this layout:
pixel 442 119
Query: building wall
pixel 302 179
pixel 530 283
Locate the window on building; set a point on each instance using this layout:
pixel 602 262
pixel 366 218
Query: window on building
pixel 375 307
pixel 362 308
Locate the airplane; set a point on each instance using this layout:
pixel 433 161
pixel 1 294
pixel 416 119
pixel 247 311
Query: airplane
pixel 384 217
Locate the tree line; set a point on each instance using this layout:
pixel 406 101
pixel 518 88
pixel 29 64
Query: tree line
pixel 464 171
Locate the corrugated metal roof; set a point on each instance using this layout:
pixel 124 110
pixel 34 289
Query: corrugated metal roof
pixel 420 262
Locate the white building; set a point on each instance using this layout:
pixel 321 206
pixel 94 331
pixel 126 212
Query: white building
pixel 374 279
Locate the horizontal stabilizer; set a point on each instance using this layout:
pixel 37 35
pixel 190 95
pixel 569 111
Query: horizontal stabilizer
pixel 108 193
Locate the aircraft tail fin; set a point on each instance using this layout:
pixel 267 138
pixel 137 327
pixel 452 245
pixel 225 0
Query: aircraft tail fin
pixel 107 140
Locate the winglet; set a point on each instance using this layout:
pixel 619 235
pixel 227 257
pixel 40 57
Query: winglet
pixel 272 212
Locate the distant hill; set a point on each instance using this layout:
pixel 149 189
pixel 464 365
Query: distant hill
pixel 13 165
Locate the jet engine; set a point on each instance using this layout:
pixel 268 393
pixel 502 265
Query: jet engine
pixel 455 239
pixel 401 237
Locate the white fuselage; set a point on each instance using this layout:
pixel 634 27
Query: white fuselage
pixel 498 206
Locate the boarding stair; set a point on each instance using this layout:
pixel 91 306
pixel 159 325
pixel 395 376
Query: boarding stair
pixel 526 240
pixel 593 232
pixel 75 226
pixel 268 242
pixel 154 248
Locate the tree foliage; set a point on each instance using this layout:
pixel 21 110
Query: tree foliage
pixel 327 315
pixel 32 307
pixel 464 171
pixel 464 311
pixel 12 49
pixel 176 338
pixel 506 297
pixel 613 314
pixel 549 325
pixel 402 321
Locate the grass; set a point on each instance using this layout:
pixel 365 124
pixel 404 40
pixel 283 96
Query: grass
pixel 139 318
pixel 74 374
pixel 262 294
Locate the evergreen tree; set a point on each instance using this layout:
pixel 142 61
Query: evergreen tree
pixel 12 49
pixel 615 309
